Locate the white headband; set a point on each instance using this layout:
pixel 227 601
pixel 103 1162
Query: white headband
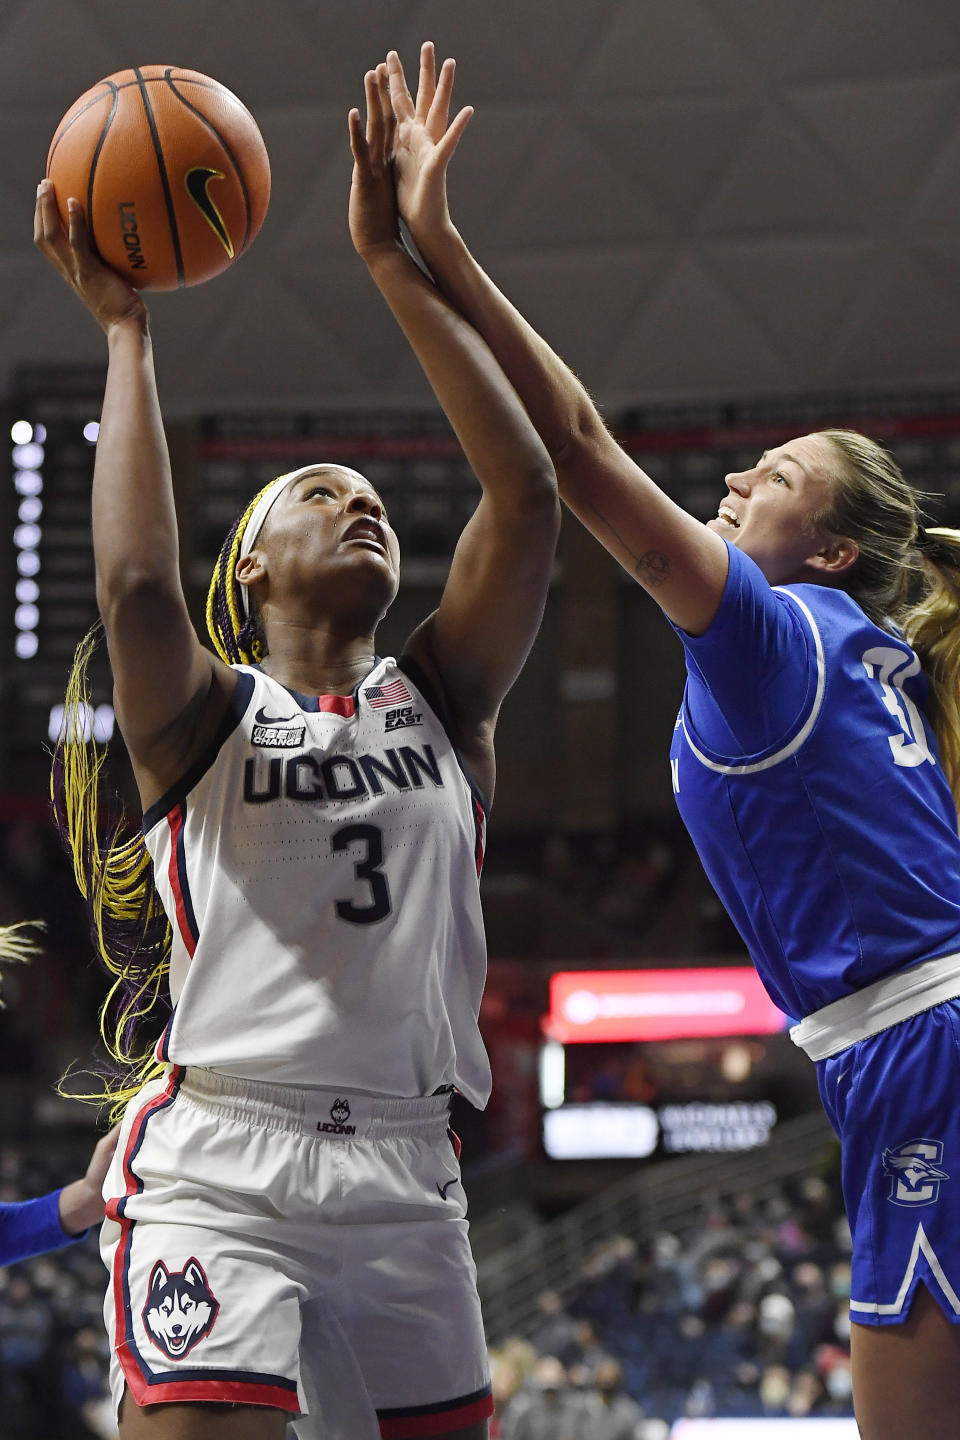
pixel 265 504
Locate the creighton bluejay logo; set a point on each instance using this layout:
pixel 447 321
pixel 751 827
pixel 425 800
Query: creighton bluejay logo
pixel 180 1308
pixel 915 1172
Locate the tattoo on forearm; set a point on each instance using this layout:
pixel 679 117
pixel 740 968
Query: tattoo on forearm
pixel 653 568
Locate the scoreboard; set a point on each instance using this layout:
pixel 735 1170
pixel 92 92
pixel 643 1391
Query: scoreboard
pixel 50 599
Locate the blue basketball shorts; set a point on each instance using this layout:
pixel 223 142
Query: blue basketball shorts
pixel 894 1101
pixel 296 1249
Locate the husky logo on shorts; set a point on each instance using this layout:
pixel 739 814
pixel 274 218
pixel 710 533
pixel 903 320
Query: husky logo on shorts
pixel 337 1124
pixel 180 1308
pixel 915 1173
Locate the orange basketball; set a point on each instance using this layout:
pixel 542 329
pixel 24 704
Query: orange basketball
pixel 171 171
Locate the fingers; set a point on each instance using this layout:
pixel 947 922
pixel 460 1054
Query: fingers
pixel 387 117
pixel 358 141
pixel 102 1155
pixel 48 232
pixel 374 115
pixel 427 85
pixel 46 217
pixel 375 151
pixel 451 139
pixel 77 232
pixel 38 217
pixel 433 96
pixel 107 1144
pixel 436 117
pixel 106 293
pixel 399 94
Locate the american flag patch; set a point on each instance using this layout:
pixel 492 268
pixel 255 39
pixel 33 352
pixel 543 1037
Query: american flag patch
pixel 395 693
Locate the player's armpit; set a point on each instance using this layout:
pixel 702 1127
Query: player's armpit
pixel 494 599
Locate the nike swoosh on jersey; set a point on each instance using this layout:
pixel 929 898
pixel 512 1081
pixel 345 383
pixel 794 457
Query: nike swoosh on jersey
pixel 262 718
pixel 442 1189
pixel 197 182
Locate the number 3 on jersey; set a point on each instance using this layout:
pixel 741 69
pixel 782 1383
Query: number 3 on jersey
pixel 367 869
pixel 890 668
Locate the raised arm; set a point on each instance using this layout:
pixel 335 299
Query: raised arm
pixel 165 682
pixel 681 563
pixel 493 600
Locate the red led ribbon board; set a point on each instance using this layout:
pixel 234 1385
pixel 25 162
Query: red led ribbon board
pixel 598 1005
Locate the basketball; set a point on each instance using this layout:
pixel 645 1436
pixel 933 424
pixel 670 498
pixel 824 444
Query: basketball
pixel 171 171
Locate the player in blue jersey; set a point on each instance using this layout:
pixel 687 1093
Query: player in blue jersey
pixel 815 762
pixel 286 1230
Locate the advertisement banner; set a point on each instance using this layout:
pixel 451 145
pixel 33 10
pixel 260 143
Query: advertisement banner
pixel 601 1005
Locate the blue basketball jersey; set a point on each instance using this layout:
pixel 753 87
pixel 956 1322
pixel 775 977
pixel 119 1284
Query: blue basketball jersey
pixel 806 771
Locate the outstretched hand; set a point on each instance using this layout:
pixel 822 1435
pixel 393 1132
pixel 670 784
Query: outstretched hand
pixel 106 294
pixel 424 141
pixel 373 203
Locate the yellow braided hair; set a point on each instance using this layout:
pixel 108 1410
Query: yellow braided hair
pixel 236 638
pixel 128 925
pixel 114 873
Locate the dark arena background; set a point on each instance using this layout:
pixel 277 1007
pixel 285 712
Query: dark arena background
pixel 737 222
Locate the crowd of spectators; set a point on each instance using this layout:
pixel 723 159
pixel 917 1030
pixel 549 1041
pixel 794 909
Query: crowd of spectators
pixel 745 1316
pixel 538 1397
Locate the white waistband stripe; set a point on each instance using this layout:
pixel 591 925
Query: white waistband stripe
pixel 866 1012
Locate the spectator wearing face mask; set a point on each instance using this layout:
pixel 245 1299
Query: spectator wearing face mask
pixel 544 1410
pixel 608 1412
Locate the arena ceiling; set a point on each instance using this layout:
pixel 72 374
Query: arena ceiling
pixel 691 198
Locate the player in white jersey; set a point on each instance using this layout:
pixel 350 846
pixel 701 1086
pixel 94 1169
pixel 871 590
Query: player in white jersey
pixel 804 760
pixel 343 823
pixel 286 1229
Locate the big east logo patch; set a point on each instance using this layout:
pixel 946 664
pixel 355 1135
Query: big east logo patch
pixel 180 1308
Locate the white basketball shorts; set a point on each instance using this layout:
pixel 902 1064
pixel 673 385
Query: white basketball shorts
pixel 293 1248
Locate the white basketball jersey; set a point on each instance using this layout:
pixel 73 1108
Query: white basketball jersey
pixel 320 868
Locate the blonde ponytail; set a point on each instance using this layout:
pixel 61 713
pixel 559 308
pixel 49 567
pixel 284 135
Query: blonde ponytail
pixel 932 626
